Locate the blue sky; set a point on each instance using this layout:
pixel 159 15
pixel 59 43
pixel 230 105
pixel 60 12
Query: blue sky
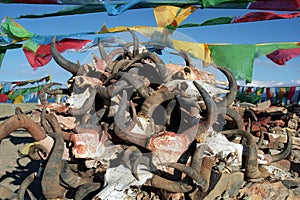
pixel 15 66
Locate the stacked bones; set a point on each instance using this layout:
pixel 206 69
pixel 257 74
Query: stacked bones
pixel 133 127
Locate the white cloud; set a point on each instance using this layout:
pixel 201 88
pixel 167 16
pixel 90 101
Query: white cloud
pixel 259 83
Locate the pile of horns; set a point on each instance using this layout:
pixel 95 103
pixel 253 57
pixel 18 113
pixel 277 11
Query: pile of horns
pixel 133 127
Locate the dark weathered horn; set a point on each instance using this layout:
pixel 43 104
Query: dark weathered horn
pixel 60 60
pixel 113 89
pixel 233 114
pixel 70 178
pixel 21 121
pixel 195 131
pixel 50 181
pixel 169 109
pixel 157 61
pixel 205 172
pixel 132 153
pixel 252 171
pixel 156 98
pixel 237 118
pixel 187 58
pixel 25 184
pixel 44 91
pixel 261 137
pixel 121 129
pixel 97 116
pixel 252 113
pixel 287 150
pixel 120 65
pixel 168 185
pixel 137 83
pixel 102 51
pixel 135 43
pixel 194 170
pixel 84 190
pixel 113 54
pixel 230 97
pixel 44 122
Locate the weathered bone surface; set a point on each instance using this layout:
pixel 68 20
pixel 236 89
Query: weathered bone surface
pixel 134 127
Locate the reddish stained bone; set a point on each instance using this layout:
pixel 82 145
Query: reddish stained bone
pixel 169 146
pixel 55 108
pixel 21 121
pixel 66 123
pixel 85 145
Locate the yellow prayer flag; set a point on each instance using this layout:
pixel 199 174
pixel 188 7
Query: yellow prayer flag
pixel 172 15
pixel 197 50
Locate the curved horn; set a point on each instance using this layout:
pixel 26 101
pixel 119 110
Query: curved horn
pixel 156 59
pixel 155 99
pixel 287 150
pixel 50 181
pixel 237 118
pixel 44 122
pixel 60 60
pixel 21 121
pixel 261 137
pixel 132 153
pixel 51 118
pixel 195 131
pixel 135 43
pixel 121 129
pixel 194 170
pixel 25 184
pixel 252 170
pixel 187 58
pixel 102 51
pixel 168 185
pixel 137 83
pixel 70 178
pixel 44 90
pixel 230 97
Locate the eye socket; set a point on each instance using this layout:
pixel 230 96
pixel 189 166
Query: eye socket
pixel 183 86
pixel 187 71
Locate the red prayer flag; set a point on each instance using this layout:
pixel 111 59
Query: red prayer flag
pixel 284 5
pixel 268 93
pixel 43 54
pixel 3 98
pixel 281 56
pixel 291 93
pixel 259 16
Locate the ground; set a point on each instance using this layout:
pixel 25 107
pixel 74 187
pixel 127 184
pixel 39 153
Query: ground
pixel 13 168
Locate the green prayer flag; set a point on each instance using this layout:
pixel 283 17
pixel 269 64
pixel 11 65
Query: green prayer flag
pixel 237 58
pixel 30 45
pixel 208 3
pixel 14 30
pixel 215 21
